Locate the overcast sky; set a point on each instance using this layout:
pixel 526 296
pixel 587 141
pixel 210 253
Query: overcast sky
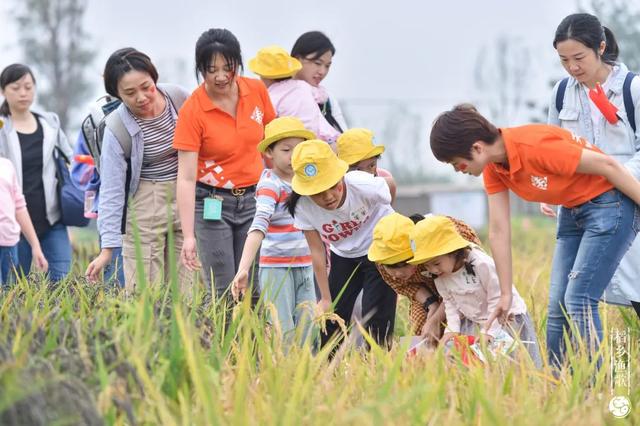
pixel 422 51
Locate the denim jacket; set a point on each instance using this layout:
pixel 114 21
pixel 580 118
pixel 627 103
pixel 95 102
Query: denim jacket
pixel 113 171
pixel 52 136
pixel 619 141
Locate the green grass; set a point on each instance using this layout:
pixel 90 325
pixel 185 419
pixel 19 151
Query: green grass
pixel 85 354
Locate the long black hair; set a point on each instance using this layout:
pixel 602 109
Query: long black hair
pixel 292 202
pixel 10 74
pixel 587 29
pixel 313 43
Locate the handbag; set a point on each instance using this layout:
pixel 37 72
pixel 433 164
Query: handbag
pixel 70 196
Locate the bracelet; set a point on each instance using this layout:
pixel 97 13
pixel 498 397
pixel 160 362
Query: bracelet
pixel 430 301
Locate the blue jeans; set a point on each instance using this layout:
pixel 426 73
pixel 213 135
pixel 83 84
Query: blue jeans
pixel 8 261
pixel 56 248
pixel 114 272
pixel 592 238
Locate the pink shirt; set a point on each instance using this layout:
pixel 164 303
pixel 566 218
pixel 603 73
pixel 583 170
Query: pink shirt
pixel 11 200
pixel 475 297
pixel 295 98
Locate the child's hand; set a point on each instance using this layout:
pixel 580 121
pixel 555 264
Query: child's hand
pixel 431 331
pixel 239 285
pixel 447 336
pixel 324 305
pixel 39 260
pixel 486 339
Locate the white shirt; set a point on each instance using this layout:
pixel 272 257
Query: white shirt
pixel 349 228
pixel 595 112
pixel 475 297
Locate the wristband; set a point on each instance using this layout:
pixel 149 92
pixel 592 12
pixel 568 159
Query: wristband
pixel 430 301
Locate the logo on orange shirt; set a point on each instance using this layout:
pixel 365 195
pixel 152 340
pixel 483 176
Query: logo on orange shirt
pixel 540 182
pixel 257 115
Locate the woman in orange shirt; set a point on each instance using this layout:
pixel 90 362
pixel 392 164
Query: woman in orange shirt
pixel 597 223
pixel 217 135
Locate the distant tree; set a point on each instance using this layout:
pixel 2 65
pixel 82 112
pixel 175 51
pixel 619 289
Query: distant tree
pixel 55 43
pixel 502 75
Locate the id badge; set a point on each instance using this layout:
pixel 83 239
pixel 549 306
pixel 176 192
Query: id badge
pixel 212 208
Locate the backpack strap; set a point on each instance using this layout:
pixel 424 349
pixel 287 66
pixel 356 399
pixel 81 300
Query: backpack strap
pixel 562 87
pixel 629 106
pixel 115 124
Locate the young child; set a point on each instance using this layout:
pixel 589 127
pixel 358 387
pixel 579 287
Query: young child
pixel 14 217
pixel 597 223
pixel 286 276
pixel 342 208
pixel 291 97
pixel 467 280
pixel 391 250
pixel 355 146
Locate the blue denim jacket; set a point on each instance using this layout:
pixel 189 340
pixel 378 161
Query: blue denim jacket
pixel 113 171
pixel 619 141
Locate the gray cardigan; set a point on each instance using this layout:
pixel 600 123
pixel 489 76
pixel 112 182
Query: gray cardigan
pixel 113 171
pixel 53 136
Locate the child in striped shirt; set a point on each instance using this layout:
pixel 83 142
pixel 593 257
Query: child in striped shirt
pixel 286 275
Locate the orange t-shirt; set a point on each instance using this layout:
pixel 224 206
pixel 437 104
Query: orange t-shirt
pixel 227 147
pixel 542 167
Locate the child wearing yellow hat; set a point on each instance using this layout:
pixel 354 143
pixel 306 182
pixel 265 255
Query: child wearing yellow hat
pixel 286 276
pixel 391 250
pixel 356 147
pixel 290 97
pixel 330 205
pixel 466 278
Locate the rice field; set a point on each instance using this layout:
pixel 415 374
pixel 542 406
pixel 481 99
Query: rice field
pixel 80 354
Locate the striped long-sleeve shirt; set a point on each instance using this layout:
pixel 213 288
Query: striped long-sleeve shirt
pixel 283 244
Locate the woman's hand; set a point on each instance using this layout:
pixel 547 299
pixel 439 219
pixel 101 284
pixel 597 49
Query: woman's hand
pixel 189 254
pixel 431 331
pixel 547 210
pixel 98 264
pixel 501 311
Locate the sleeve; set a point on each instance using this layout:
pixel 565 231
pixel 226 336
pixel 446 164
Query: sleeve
pixel 301 104
pixel 189 130
pixel 559 152
pixel 301 219
pixel 450 310
pixel 552 115
pixel 633 165
pixel 267 196
pixel 112 191
pixel 492 183
pixel 18 196
pixel 378 188
pixel 488 277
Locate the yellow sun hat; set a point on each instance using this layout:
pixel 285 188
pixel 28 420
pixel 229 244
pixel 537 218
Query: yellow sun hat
pixel 434 236
pixel 316 167
pixel 274 62
pixel 281 128
pixel 391 243
pixel 355 145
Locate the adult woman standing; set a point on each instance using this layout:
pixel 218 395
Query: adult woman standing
pixel 219 165
pixel 29 139
pixel 589 52
pixel 315 51
pixel 138 163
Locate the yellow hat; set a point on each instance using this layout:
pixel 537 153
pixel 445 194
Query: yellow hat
pixel 281 128
pixel 434 236
pixel 356 145
pixel 274 62
pixel 391 240
pixel 316 167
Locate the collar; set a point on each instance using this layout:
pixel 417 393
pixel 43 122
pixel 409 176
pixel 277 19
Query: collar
pixel 619 73
pixel 208 105
pixel 515 163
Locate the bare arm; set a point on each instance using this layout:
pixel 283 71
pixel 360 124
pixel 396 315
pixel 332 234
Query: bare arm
pixel 319 261
pixel 185 197
pixel 500 243
pixel 596 163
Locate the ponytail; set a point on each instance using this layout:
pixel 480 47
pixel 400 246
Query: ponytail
pixel 4 109
pixel 292 202
pixel 612 51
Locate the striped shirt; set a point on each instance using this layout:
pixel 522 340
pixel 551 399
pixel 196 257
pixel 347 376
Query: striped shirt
pixel 160 159
pixel 284 245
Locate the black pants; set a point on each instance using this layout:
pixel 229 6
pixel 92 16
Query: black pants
pixel 378 299
pixel 636 306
